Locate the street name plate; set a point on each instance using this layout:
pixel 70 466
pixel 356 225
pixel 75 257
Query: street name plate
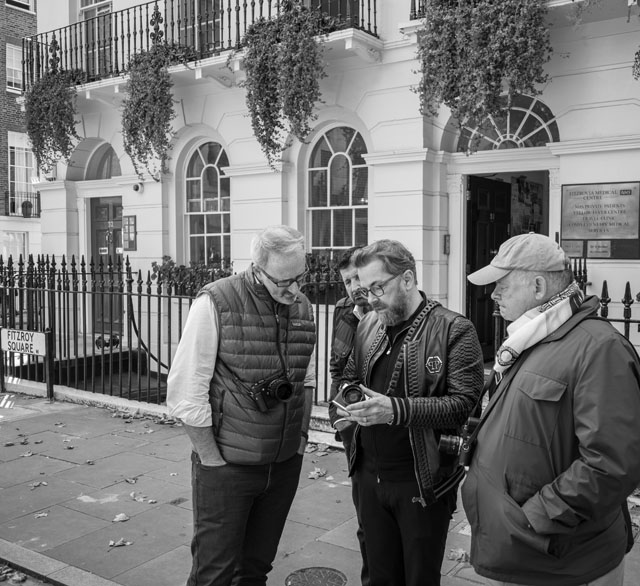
pixel 23 342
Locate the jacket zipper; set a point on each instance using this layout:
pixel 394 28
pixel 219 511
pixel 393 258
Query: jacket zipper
pixel 284 370
pixel 413 449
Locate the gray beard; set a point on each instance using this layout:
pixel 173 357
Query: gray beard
pixel 395 314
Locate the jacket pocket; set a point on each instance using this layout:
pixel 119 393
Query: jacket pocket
pixel 535 408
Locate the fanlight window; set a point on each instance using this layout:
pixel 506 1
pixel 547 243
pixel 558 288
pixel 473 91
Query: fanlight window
pixel 528 123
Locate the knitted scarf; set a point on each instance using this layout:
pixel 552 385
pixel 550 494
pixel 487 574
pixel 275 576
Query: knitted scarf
pixel 536 324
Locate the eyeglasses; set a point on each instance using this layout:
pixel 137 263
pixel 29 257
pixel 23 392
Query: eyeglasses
pixel 286 283
pixel 376 290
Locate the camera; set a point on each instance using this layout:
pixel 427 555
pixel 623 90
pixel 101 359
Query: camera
pixel 268 392
pixel 460 445
pixel 348 394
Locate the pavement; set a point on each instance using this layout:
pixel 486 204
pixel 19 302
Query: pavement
pixel 99 495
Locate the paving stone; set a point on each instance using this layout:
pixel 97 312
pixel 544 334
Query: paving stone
pixel 93 448
pixel 107 503
pixel 344 535
pixel 19 470
pixel 175 472
pixel 22 499
pixel 151 534
pixel 112 469
pixel 295 537
pixel 168 569
pixel 176 449
pixel 58 526
pixel 324 505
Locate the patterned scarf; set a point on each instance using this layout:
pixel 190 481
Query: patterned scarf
pixel 536 324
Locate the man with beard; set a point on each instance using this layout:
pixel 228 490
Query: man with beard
pixel 348 313
pixel 422 373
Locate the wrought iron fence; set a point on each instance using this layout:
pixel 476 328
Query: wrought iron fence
pixel 116 329
pixel 102 46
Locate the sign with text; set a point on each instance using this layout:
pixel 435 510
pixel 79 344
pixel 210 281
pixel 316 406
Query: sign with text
pixel 601 220
pixel 23 342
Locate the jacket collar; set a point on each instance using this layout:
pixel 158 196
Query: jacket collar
pixel 588 309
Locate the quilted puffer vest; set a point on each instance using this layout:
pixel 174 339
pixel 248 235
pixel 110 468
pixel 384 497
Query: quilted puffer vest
pixel 258 338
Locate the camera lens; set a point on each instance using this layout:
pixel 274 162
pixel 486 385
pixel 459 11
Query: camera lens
pixel 281 390
pixel 352 394
pixel 450 444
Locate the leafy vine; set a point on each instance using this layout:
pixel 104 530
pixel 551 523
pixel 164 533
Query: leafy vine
pixel 148 110
pixel 284 64
pixel 473 51
pixel 50 113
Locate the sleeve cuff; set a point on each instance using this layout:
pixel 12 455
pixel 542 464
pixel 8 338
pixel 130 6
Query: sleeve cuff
pixel 401 411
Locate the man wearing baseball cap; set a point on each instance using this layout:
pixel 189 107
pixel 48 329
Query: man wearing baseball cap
pixel 557 449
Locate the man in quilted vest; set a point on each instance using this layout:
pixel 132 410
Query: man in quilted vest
pixel 242 384
pixel 421 370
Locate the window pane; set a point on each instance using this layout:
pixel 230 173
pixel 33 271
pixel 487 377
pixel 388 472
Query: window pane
pixel 14 67
pixel 197 249
pixel 223 161
pixel 342 227
pixel 321 154
pixel 358 148
pixel 210 152
pixel 195 166
pixel 362 228
pixel 196 224
pixel 321 221
pixel 214 251
pixel 360 186
pixel 339 176
pixel 318 189
pixel 210 189
pixel 226 242
pixel 214 223
pixel 340 138
pixel 193 196
pixel 226 223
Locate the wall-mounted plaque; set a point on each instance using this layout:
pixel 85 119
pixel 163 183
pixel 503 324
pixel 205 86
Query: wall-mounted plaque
pixel 601 220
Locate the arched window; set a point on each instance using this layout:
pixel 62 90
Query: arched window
pixel 207 202
pixel 104 164
pixel 528 123
pixel 338 191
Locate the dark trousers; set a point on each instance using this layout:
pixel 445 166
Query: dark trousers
pixel 239 513
pixel 405 542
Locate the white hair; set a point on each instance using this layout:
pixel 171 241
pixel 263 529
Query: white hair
pixel 279 239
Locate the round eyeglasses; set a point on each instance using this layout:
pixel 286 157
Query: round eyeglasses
pixel 286 283
pixel 376 290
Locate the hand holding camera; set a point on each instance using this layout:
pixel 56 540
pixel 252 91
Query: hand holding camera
pixel 362 405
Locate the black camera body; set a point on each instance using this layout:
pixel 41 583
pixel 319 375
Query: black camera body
pixel 270 391
pixel 460 445
pixel 348 394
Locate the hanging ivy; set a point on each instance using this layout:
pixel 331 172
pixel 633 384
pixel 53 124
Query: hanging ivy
pixel 636 65
pixel 148 110
pixel 50 113
pixel 473 51
pixel 284 65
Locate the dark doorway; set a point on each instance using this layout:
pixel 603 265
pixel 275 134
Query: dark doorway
pixel 106 252
pixel 488 217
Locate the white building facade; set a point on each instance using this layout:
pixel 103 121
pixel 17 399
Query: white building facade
pixel 373 167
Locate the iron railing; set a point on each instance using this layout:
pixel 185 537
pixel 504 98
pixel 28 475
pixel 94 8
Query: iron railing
pixel 103 46
pixel 115 329
pixel 22 203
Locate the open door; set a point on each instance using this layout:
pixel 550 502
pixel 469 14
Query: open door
pixel 488 217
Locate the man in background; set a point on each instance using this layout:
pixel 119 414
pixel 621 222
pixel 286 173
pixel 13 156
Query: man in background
pixel 348 312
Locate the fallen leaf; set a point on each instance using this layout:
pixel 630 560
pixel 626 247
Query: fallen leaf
pixel 120 518
pixel 35 485
pixel 90 462
pixel 131 480
pixel 43 514
pixel 329 478
pixel 60 424
pixel 27 454
pixel 173 474
pixel 152 501
pixel 68 447
pixel 24 442
pixel 9 444
pixel 120 543
pixel 317 473
pixel 38 442
pixel 458 555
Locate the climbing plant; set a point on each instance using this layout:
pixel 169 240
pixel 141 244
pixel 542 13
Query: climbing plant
pixel 50 114
pixel 284 64
pixel 147 110
pixel 473 51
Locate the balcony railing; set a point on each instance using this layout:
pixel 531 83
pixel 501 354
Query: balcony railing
pixel 22 203
pixel 102 47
